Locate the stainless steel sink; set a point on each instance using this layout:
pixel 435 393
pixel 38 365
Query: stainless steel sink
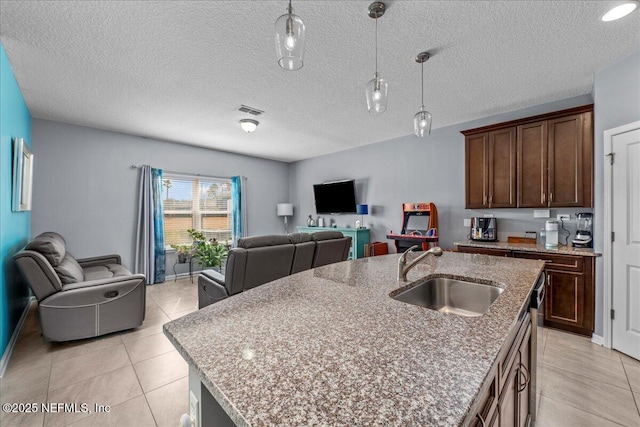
pixel 446 295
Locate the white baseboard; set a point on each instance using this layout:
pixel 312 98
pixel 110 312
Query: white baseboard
pixel 6 357
pixel 597 339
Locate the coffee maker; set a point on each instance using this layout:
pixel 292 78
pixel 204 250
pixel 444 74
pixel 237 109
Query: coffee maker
pixel 484 229
pixel 584 238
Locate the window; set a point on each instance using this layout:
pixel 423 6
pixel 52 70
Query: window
pixel 201 203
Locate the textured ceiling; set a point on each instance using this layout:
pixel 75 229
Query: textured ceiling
pixel 178 70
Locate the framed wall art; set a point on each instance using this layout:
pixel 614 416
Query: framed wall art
pixel 22 176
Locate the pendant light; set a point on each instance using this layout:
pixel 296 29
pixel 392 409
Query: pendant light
pixel 377 88
pixel 422 119
pixel 290 31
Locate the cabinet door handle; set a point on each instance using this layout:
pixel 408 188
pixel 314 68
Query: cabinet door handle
pixel 490 198
pixel 481 420
pixel 484 199
pixel 550 197
pixel 543 197
pixel 525 372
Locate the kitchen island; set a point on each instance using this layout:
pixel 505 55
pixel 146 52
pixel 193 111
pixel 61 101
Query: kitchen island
pixel 329 346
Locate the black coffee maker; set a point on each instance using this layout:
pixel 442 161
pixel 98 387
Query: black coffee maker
pixel 584 238
pixel 484 229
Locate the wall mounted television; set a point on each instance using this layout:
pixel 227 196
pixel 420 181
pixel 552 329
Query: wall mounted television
pixel 337 197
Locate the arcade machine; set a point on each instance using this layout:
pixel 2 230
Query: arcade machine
pixel 416 215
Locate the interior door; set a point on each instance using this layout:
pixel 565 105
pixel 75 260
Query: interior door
pixel 625 255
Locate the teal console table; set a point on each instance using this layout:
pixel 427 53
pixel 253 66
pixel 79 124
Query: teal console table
pixel 359 237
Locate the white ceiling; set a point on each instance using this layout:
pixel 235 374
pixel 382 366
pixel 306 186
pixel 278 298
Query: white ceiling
pixel 178 70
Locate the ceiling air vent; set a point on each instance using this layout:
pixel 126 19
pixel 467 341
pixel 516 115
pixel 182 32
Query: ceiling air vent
pixel 250 110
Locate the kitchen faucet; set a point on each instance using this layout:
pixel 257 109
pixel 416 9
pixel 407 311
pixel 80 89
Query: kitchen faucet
pixel 402 262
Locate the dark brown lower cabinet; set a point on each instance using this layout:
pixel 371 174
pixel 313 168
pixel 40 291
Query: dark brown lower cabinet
pixel 506 402
pixel 570 299
pixel 484 251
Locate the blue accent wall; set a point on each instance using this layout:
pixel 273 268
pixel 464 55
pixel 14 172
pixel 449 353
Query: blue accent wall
pixel 15 227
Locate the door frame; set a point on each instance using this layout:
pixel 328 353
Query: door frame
pixel 608 218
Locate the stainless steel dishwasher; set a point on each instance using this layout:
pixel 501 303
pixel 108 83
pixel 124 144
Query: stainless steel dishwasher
pixel 537 342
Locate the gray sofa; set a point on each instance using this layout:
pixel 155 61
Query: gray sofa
pixel 261 259
pixel 80 298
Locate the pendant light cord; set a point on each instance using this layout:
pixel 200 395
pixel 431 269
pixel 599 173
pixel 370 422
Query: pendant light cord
pixel 422 106
pixel 376 45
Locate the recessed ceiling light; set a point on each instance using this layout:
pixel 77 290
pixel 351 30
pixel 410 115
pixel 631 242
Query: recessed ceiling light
pixel 249 125
pixel 620 11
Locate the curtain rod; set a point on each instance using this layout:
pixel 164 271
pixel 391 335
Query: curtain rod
pixel 187 174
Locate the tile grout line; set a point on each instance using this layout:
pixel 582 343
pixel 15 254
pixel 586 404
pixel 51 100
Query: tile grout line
pixel 141 388
pixel 94 376
pixel 582 409
pixel 633 395
pixel 587 377
pixel 46 398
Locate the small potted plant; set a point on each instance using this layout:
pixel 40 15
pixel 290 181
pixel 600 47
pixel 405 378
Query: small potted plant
pixel 208 251
pixel 183 251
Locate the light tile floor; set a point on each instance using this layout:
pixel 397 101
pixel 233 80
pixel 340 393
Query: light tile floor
pixel 144 380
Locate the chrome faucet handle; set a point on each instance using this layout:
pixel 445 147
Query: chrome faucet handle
pixel 403 257
pixel 402 262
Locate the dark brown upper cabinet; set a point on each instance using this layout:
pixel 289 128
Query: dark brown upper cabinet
pixel 490 160
pixel 541 161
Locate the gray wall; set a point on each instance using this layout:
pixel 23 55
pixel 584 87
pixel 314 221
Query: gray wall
pixel 410 169
pixel 85 189
pixel 617 102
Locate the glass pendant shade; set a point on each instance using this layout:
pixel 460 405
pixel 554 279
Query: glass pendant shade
pixel 422 123
pixel 290 32
pixel 377 94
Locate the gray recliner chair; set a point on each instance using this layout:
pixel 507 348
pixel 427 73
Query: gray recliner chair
pixel 80 298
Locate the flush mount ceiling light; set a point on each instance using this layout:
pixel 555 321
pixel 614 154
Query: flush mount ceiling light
pixel 290 33
pixel 620 11
pixel 377 88
pixel 249 125
pixel 422 119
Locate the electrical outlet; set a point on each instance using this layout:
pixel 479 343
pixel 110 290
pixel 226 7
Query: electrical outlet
pixel 564 217
pixel 541 213
pixel 194 409
pixel 467 222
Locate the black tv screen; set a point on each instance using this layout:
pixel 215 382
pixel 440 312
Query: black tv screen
pixel 335 197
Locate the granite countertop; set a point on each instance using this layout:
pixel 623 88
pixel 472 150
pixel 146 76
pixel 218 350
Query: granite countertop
pixel 528 247
pixel 328 346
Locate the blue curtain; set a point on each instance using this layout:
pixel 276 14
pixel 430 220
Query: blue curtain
pixel 158 226
pixel 238 212
pixel 150 255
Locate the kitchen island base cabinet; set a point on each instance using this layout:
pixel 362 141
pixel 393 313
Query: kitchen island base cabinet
pixel 208 410
pixel 506 403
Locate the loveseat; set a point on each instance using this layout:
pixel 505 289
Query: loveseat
pixel 261 259
pixel 80 298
